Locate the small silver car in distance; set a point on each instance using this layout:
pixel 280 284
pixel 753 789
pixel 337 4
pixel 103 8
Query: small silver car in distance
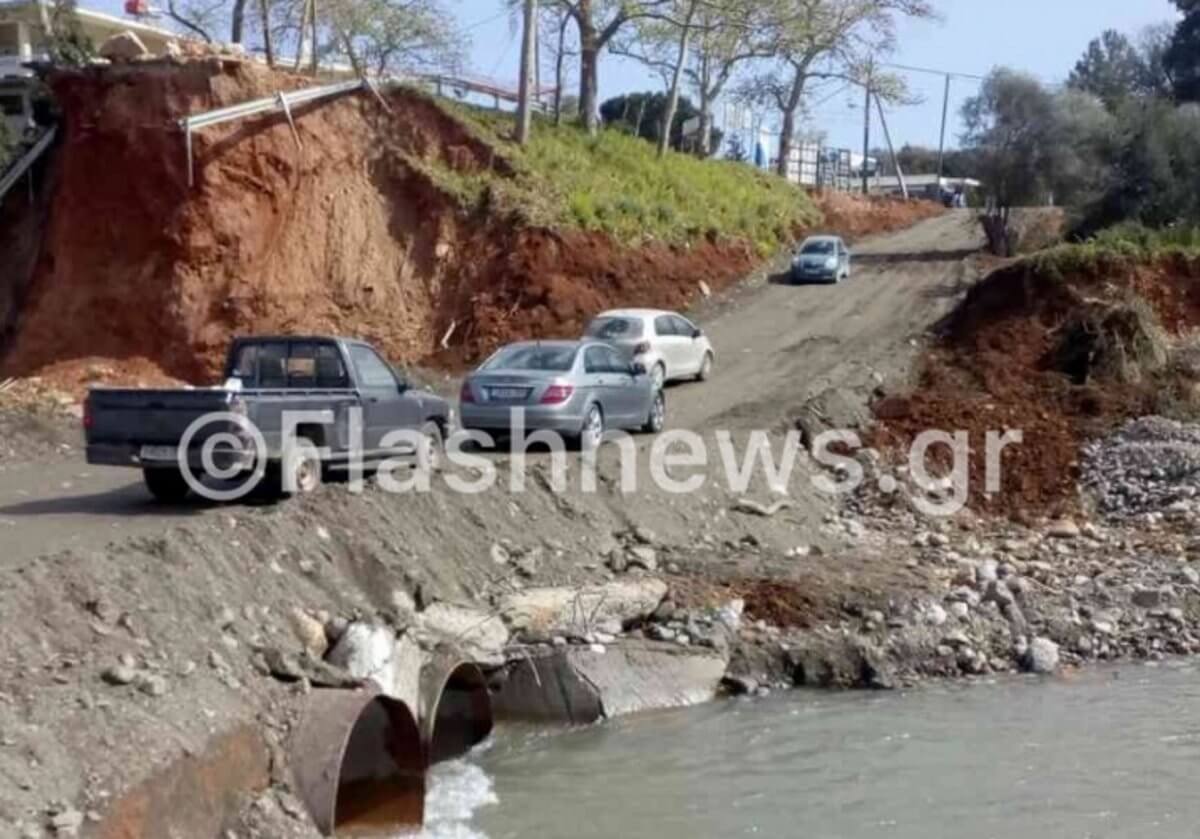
pixel 821 258
pixel 577 388
pixel 669 345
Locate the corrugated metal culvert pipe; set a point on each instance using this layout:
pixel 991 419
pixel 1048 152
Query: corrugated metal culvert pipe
pixel 456 708
pixel 359 764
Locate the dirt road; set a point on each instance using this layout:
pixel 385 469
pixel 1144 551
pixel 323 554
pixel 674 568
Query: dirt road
pixel 778 345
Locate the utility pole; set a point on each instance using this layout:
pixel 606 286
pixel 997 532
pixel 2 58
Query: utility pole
pixel 528 57
pixel 891 149
pixel 866 184
pixel 942 143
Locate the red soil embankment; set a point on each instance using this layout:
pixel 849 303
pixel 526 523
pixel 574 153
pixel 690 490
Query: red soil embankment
pixel 343 232
pixel 1034 348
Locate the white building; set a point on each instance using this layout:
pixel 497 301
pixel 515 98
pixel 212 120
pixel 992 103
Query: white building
pixel 22 42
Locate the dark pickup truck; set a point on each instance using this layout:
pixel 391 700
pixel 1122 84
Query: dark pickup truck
pixel 268 382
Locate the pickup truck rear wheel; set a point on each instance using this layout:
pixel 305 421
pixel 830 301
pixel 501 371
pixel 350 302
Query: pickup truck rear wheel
pixel 166 484
pixel 432 455
pixel 300 470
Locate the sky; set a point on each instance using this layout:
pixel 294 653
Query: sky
pixel 1042 37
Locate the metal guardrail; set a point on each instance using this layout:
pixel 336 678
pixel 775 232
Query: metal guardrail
pixel 16 170
pixel 279 102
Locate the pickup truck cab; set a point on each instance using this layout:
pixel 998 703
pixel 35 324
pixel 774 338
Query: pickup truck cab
pixel 311 384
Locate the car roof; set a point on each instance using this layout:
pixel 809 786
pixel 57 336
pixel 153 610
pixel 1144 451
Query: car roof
pixel 635 313
pixel 824 237
pixel 557 342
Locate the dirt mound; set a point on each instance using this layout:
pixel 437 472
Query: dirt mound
pixel 1062 350
pixel 854 216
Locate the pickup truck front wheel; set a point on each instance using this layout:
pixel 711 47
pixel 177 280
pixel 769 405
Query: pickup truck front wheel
pixel 166 484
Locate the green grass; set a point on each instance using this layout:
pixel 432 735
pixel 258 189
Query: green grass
pixel 615 183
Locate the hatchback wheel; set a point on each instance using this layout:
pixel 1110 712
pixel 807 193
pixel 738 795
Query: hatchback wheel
pixel 705 367
pixel 593 429
pixel 657 417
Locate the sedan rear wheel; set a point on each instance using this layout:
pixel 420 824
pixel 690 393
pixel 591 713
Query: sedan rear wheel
pixel 432 447
pixel 593 429
pixel 658 376
pixel 658 414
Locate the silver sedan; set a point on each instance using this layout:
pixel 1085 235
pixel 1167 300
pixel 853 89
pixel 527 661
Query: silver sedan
pixel 577 388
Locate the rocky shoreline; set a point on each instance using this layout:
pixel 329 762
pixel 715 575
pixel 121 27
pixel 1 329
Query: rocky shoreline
pixel 241 612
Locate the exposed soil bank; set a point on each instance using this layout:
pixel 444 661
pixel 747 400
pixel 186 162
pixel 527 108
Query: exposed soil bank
pixel 343 232
pixel 1063 346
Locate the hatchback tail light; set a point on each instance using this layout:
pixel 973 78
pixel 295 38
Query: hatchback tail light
pixel 643 347
pixel 465 394
pixel 556 394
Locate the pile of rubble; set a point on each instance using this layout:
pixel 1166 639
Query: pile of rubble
pixel 1150 466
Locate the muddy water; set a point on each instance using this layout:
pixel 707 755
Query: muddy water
pixel 1105 754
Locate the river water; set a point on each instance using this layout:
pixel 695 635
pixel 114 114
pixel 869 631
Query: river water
pixel 1106 753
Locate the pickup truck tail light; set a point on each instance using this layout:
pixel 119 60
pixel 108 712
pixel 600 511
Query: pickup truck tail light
pixel 643 347
pixel 237 405
pixel 88 418
pixel 465 394
pixel 557 394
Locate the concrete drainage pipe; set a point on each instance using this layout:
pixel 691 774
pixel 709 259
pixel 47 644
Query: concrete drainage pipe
pixel 359 764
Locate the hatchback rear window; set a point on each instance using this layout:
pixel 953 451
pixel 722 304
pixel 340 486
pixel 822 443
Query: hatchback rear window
pixel 533 357
pixel 614 328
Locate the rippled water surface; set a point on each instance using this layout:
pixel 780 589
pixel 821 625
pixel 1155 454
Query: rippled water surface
pixel 1113 753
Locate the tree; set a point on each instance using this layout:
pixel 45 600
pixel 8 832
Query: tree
pixel 1153 167
pixel 1182 58
pixel 642 114
pixel 1153 44
pixel 728 34
pixel 392 35
pixel 560 51
pixel 1030 148
pixel 661 42
pixel 824 39
pixel 1111 68
pixel 598 22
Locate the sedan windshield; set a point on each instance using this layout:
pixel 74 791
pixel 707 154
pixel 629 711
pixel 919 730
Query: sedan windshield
pixel 533 357
pixel 818 246
pixel 614 328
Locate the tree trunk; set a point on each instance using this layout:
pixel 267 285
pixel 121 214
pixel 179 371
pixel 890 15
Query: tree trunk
pixel 312 47
pixel 664 134
pixel 789 121
pixel 589 71
pixel 303 38
pixel 46 22
pixel 264 9
pixel 528 57
pixel 238 24
pixel 559 61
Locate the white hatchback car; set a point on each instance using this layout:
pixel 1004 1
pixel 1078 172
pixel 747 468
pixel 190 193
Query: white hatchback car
pixel 668 344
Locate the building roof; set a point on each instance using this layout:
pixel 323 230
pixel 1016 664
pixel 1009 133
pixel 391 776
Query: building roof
pixel 99 19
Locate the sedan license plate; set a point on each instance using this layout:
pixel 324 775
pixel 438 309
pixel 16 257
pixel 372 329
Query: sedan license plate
pixel 508 394
pixel 157 453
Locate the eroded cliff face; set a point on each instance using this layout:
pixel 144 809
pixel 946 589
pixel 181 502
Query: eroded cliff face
pixel 342 232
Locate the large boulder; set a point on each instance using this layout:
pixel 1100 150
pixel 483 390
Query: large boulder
pixel 480 636
pixel 122 47
pixel 542 613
